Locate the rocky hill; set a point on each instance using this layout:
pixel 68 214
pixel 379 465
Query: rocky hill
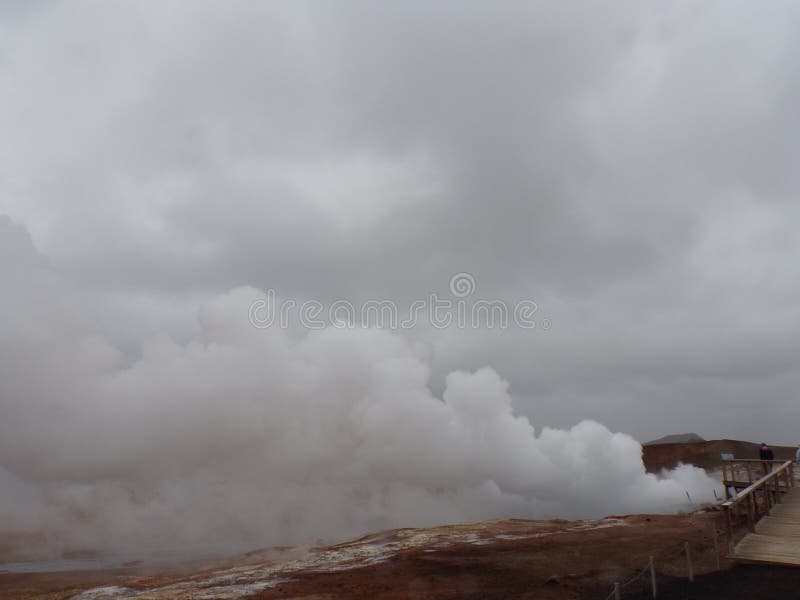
pixel 678 438
pixel 705 454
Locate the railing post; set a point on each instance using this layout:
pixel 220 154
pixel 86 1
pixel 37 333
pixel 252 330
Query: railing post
pixel 729 529
pixel 725 480
pixel 767 499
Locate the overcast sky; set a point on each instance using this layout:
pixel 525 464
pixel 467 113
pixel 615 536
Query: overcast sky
pixel 631 167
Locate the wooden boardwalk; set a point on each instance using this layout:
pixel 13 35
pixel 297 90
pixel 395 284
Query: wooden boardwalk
pixel 776 539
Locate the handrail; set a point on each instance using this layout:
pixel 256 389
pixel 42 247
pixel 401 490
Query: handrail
pixel 739 473
pixel 757 484
pixel 770 487
pixel 754 460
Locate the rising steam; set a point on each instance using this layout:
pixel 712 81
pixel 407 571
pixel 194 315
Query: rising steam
pixel 258 437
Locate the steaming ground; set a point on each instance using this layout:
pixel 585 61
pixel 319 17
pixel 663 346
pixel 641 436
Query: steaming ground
pixel 259 437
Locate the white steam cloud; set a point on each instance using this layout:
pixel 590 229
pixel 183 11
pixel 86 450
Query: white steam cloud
pixel 259 437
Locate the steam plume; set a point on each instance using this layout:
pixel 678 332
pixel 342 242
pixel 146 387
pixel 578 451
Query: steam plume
pixel 258 437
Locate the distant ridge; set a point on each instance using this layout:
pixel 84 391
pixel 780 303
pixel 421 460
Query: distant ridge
pixel 706 455
pixel 676 438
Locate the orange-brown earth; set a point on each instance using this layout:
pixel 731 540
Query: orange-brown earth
pixel 498 559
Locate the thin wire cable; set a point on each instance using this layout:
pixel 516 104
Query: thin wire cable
pixel 677 552
pixel 636 577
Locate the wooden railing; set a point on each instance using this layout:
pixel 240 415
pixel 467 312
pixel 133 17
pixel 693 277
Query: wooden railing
pixel 770 486
pixel 740 473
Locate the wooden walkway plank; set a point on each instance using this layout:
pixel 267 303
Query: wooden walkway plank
pixel 778 527
pixel 777 537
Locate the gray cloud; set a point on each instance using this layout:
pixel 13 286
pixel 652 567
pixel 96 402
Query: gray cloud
pixel 629 168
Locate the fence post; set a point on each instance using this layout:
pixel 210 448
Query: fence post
pixel 716 546
pixel 688 549
pixel 653 576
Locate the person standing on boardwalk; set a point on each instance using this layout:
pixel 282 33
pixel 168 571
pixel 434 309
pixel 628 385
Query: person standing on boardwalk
pixel 765 453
